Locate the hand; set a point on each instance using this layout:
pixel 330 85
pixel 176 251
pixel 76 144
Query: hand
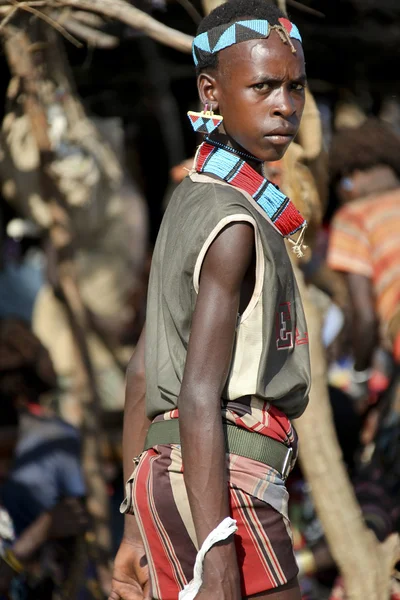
pixel 68 519
pixel 131 573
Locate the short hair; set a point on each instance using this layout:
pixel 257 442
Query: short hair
pixel 362 148
pixel 232 11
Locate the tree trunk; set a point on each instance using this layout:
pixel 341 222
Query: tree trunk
pixel 365 564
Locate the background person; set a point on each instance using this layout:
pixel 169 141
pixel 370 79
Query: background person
pixel 364 243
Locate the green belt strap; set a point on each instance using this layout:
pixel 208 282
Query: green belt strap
pixel 249 444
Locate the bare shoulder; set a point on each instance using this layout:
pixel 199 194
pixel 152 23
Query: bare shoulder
pixel 230 255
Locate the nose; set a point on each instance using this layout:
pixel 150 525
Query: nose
pixel 284 106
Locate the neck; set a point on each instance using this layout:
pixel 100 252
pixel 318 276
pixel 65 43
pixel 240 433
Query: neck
pixel 223 138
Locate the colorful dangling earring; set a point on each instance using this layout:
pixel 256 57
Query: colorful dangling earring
pixel 206 121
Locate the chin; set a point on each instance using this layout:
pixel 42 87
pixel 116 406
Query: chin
pixel 273 154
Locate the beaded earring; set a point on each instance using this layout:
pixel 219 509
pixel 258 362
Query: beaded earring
pixel 206 121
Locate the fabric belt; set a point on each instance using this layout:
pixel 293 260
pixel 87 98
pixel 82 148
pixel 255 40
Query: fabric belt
pixel 249 444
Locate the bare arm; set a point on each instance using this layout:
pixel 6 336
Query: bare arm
pixel 130 576
pixel 206 370
pixel 365 324
pixel 136 423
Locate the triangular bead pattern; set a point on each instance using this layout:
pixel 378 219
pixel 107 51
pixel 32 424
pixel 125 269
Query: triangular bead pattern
pixel 203 122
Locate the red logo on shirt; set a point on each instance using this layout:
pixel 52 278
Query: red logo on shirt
pixel 286 338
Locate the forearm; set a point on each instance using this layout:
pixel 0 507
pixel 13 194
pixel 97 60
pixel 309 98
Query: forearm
pixel 135 429
pixel 136 423
pixel 130 573
pixel 33 537
pixel 205 476
pixel 365 323
pixel 204 462
pixel 365 340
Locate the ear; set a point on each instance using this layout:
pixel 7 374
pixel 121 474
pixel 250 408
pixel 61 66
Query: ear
pixel 208 90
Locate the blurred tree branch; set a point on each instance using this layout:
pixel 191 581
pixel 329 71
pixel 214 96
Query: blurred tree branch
pixel 113 9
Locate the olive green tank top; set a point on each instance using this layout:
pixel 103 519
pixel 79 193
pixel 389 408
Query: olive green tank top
pixel 271 358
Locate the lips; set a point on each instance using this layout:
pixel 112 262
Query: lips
pixel 280 137
pixel 281 128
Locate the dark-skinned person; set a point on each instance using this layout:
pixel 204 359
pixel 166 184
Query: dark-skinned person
pixel 364 242
pixel 208 410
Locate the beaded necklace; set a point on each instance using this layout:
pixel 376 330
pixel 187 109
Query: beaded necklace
pixel 213 158
pixel 244 155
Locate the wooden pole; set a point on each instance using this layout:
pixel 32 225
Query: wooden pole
pixel 282 6
pixel 365 564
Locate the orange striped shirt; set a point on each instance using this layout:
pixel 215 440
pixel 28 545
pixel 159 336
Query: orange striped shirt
pixel 365 239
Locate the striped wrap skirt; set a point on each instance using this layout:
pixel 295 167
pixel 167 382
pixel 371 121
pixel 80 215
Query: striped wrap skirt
pixel 156 494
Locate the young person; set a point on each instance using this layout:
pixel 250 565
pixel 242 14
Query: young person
pixel 227 362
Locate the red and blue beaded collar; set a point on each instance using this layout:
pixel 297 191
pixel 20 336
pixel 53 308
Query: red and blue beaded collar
pixel 228 164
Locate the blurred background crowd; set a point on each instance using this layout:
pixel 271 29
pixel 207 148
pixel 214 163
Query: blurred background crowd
pixel 94 138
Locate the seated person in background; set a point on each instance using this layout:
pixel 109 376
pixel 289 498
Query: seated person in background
pixel 43 488
pixel 48 452
pixel 365 238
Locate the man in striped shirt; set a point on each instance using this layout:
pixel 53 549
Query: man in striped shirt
pixel 365 237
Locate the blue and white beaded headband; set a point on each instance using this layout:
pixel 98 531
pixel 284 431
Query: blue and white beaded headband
pixel 223 36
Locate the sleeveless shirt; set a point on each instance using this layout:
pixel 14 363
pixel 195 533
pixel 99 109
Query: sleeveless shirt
pixel 270 361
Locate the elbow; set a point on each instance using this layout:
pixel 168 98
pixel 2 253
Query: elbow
pixel 136 369
pixel 135 390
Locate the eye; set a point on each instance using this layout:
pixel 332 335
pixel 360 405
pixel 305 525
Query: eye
pixel 298 87
pixel 261 87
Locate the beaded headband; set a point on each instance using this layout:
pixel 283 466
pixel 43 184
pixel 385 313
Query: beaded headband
pixel 223 36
